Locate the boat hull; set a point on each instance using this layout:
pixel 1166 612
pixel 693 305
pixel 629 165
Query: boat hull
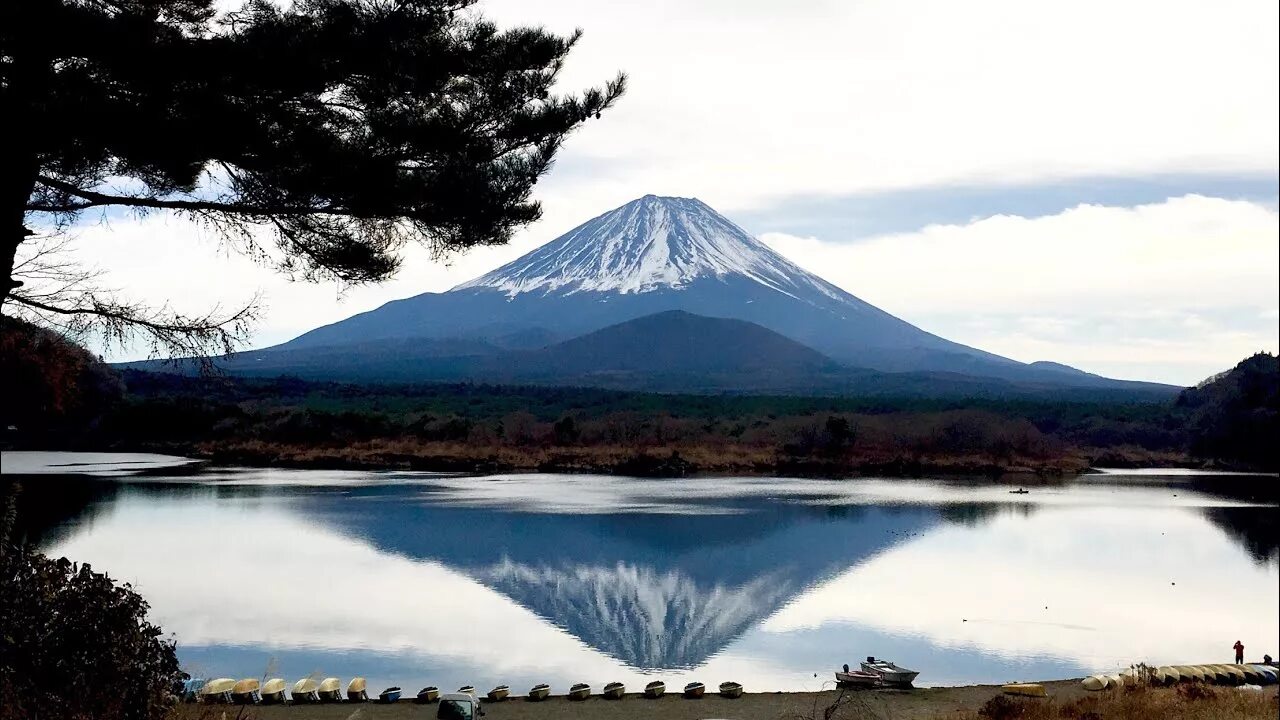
pixel 655 690
pixel 539 693
pixel 614 691
pixel 730 690
pixel 855 678
pixel 579 692
pixel 1024 689
pixel 889 673
pixel 499 694
pixel 427 696
pixel 695 691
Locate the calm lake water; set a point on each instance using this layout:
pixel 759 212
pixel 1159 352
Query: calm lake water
pixel 415 578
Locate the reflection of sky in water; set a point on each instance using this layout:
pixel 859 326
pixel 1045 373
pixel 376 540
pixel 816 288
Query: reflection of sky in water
pixel 416 579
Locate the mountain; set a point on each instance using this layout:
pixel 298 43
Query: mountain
pixel 1233 418
pixel 648 258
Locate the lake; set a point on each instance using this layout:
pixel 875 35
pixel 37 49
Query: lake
pixel 414 579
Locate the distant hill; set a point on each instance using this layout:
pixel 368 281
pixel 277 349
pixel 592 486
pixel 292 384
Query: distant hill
pixel 1234 417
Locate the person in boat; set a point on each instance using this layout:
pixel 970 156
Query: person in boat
pixel 1239 648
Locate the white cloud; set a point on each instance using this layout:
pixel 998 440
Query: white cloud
pixel 1172 291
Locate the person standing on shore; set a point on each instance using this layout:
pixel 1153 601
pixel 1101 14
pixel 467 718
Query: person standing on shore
pixel 1239 648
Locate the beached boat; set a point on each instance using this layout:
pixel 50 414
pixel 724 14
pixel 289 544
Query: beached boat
pixel 217 692
pixel 1219 674
pixel 305 691
pixel 614 691
pixel 1167 675
pixel 1024 689
pixel 1268 673
pixel 889 673
pixel 191 689
pixel 428 694
pixel 580 691
pixel 731 690
pixel 330 690
pixel 273 691
pixel 1251 676
pixel 694 690
pixel 655 689
pixel 1235 674
pixel 856 678
pixel 247 692
pixel 499 693
pixel 357 690
pixel 539 692
pixel 1195 673
pixel 1094 683
pixel 468 689
pixel 390 695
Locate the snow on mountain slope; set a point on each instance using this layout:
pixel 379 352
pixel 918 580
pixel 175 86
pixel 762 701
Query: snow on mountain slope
pixel 650 244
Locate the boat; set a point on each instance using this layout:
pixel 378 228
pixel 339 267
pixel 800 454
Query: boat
pixel 1251 676
pixel 539 692
pixel 1268 673
pixel 1194 673
pixel 273 691
pixel 191 689
pixel 428 694
pixel 655 689
pixel 1094 683
pixel 247 692
pixel 731 690
pixel 889 673
pixel 330 690
pixel 856 678
pixel 468 689
pixel 1236 674
pixel 1168 675
pixel 390 695
pixel 305 691
pixel 580 691
pixel 1024 689
pixel 614 691
pixel 357 690
pixel 1114 681
pixel 1019 491
pixel 499 693
pixel 1218 674
pixel 694 690
pixel 217 692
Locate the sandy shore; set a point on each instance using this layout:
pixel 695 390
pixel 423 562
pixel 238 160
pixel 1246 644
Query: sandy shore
pixel 912 704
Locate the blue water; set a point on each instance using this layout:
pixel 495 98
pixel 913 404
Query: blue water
pixel 417 579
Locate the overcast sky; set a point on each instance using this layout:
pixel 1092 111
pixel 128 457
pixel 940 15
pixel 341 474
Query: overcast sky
pixel 1088 182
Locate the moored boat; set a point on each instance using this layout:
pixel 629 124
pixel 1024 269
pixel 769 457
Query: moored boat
pixel 731 690
pixel 694 690
pixel 357 690
pixel 856 678
pixel 889 673
pixel 217 692
pixel 247 692
pixel 273 691
pixel 390 695
pixel 499 693
pixel 655 689
pixel 305 691
pixel 428 694
pixel 539 692
pixel 614 691
pixel 580 691
pixel 330 690
pixel 1024 689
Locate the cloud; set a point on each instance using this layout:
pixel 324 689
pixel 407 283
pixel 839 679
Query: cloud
pixel 1188 285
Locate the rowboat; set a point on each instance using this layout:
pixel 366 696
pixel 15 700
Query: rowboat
pixel 730 690
pixel 1024 689
pixel 856 678
pixel 305 691
pixel 217 692
pixel 1268 673
pixel 191 689
pixel 1019 491
pixel 330 690
pixel 1168 675
pixel 273 692
pixel 1251 676
pixel 1114 681
pixel 614 691
pixel 1195 673
pixel 247 692
pixel 655 689
pixel 580 691
pixel 694 690
pixel 499 693
pixel 428 694
pixel 390 695
pixel 1219 674
pixel 889 673
pixel 541 691
pixel 1236 674
pixel 468 689
pixel 1094 683
pixel 357 690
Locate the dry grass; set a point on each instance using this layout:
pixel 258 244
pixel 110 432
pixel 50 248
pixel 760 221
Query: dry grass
pixel 1185 702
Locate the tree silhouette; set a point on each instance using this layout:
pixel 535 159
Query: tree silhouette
pixel 338 130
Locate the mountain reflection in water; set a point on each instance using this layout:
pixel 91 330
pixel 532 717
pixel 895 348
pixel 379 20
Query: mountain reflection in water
pixel 412 578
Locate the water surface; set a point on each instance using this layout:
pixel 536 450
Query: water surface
pixel 418 578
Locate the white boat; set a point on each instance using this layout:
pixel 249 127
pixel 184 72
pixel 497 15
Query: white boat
pixel 855 678
pixel 889 673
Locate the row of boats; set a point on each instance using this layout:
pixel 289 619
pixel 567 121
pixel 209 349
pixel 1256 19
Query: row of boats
pixel 250 691
pixel 1243 674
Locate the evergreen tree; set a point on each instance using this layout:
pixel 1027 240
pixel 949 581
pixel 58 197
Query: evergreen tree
pixel 345 127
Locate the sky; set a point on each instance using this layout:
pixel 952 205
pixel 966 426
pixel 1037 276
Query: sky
pixel 1093 183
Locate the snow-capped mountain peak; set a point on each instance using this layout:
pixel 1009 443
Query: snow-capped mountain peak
pixel 649 244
